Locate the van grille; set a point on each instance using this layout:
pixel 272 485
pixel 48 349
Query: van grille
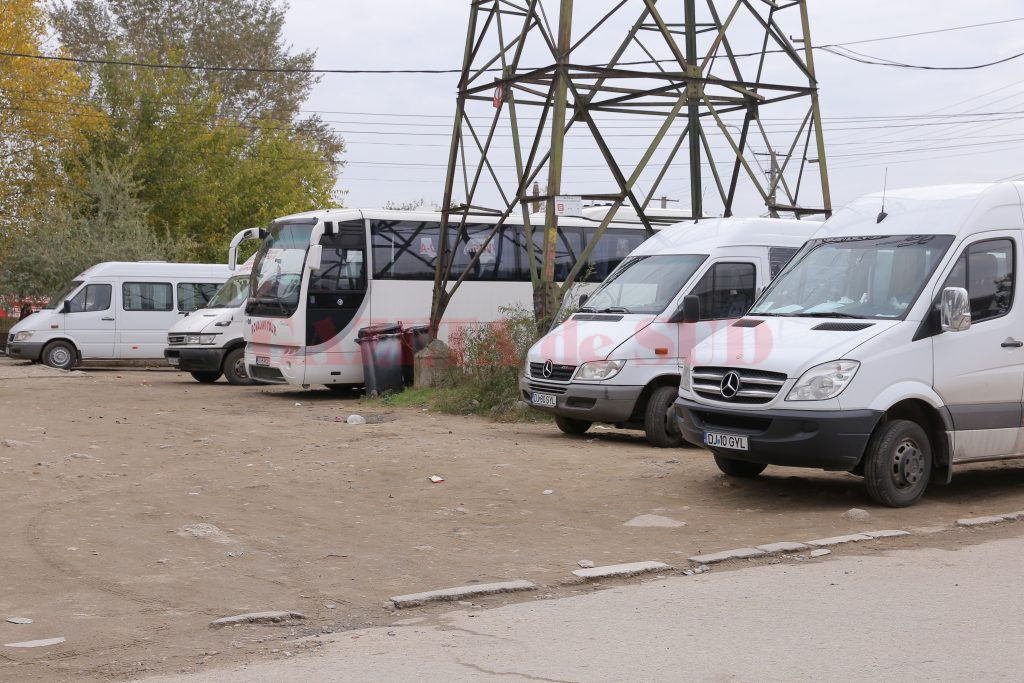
pixel 175 339
pixel 559 373
pixel 755 386
pixel 548 388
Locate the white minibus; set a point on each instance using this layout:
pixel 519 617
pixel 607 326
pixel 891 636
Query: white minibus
pixel 617 359
pixel 211 341
pixel 115 312
pixel 377 266
pixel 892 347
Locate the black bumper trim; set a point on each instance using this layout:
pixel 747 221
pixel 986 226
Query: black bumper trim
pixel 196 360
pixel 826 439
pixel 26 350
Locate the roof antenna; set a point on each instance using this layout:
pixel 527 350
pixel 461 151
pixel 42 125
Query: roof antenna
pixel 882 214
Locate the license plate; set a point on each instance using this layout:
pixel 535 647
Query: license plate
pixel 730 441
pixel 262 360
pixel 174 360
pixel 547 400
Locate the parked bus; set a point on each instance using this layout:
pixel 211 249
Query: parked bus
pixel 321 276
pixel 115 311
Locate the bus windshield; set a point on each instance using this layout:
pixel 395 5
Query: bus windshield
pixel 644 284
pixel 277 271
pixel 855 277
pixel 231 294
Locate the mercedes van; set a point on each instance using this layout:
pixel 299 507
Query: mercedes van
pixel 616 359
pixel 892 347
pixel 114 311
pixel 210 342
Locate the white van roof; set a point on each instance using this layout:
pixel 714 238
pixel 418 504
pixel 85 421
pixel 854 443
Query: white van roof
pixel 156 269
pixel 704 236
pixel 939 209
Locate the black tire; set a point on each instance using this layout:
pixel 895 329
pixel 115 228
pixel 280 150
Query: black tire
pixel 60 355
pixel 346 390
pixel 659 427
pixel 234 368
pixel 206 376
pixel 738 468
pixel 572 426
pixel 898 463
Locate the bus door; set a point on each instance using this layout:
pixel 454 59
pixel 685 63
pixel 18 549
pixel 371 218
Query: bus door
pixel 337 302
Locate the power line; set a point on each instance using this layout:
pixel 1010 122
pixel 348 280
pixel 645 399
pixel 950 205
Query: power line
pixel 862 58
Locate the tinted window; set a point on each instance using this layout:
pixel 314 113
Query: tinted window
pixel 778 257
pixel 613 246
pixel 986 271
pixel 404 250
pixel 147 296
pixel 498 256
pixel 342 263
pixel 92 298
pixel 726 291
pixel 195 295
pixel 568 248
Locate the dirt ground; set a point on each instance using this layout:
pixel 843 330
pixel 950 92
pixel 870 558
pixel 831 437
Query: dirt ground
pixel 139 505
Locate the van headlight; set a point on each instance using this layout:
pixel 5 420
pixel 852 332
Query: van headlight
pixel 596 371
pixel 824 381
pixel 201 339
pixel 684 374
pixel 23 336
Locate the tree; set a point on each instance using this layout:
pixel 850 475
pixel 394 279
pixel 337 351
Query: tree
pixel 43 114
pixel 104 221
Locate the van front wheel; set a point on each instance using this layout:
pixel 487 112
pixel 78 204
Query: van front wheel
pixel 206 376
pixel 738 468
pixel 234 368
pixel 60 355
pixel 659 426
pixel 898 463
pixel 570 426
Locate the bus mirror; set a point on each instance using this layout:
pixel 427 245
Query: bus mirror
pixel 232 258
pixel 66 308
pixel 955 309
pixel 688 311
pixel 313 257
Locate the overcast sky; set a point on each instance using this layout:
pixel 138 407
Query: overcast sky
pixel 430 33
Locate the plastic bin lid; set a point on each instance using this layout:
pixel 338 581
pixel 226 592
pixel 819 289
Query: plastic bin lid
pixel 377 330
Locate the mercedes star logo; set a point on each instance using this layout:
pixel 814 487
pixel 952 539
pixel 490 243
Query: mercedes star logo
pixel 548 368
pixel 730 385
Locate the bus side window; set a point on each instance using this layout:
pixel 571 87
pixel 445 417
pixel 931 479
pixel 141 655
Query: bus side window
pixel 404 250
pixel 613 247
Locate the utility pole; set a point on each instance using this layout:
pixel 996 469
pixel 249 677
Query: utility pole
pixel 693 72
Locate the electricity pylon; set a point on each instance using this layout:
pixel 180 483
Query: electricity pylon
pixel 676 73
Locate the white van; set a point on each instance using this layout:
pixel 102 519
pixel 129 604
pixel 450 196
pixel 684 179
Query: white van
pixel 892 347
pixel 211 342
pixel 114 311
pixel 616 360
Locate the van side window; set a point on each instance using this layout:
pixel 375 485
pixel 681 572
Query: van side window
pixel 986 271
pixel 92 298
pixel 726 291
pixel 778 257
pixel 195 295
pixel 147 296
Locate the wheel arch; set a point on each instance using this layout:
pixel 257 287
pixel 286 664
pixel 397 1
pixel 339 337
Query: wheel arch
pixel 668 380
pixel 934 421
pixel 61 338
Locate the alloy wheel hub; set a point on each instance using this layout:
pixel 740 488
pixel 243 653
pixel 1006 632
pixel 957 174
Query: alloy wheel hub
pixel 908 464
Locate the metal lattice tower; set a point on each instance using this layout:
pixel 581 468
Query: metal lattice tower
pixel 660 76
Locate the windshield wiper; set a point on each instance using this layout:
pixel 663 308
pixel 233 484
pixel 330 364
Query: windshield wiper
pixel 586 309
pixel 823 314
pixel 614 309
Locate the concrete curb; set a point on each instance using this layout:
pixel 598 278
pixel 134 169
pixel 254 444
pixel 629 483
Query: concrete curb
pixel 461 593
pixel 981 521
pixel 621 571
pixel 734 554
pixel 839 540
pixel 257 618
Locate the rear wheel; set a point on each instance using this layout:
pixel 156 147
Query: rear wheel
pixel 898 463
pixel 659 427
pixel 59 354
pixel 206 376
pixel 234 367
pixel 738 468
pixel 572 426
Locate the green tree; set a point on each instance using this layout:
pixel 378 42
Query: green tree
pixel 104 221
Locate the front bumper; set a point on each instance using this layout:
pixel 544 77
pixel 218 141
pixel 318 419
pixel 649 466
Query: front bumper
pixel 25 350
pixel 590 402
pixel 826 439
pixel 194 360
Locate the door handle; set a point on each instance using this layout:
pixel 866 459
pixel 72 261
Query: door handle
pixel 1012 343
pixel 108 319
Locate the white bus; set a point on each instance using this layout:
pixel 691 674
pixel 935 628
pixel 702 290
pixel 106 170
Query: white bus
pixel 306 306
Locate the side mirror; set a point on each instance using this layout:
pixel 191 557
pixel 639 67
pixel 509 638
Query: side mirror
pixel 314 256
pixel 66 308
pixel 583 300
pixel 688 311
pixel 955 310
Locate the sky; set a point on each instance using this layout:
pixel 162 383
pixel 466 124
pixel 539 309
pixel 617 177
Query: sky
pixel 397 127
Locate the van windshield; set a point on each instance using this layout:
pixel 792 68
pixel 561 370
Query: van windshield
pixel 231 294
pixel 855 277
pixel 58 298
pixel 644 284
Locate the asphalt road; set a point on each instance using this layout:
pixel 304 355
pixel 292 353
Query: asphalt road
pixel 922 614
